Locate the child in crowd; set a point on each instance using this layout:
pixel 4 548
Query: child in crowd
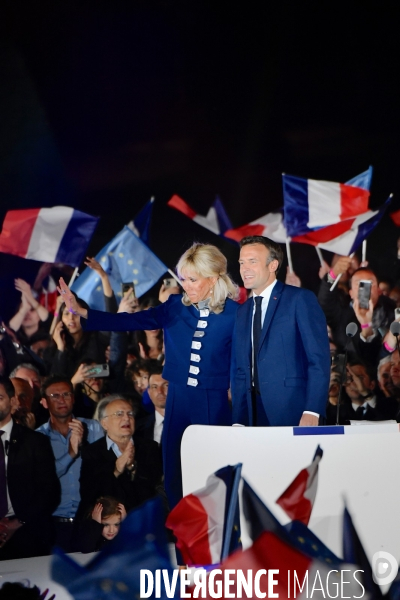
pixel 102 524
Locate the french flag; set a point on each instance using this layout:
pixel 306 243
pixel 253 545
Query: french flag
pixel 310 204
pixel 270 225
pixel 345 237
pixel 298 499
pixel 206 523
pixel 216 219
pixel 55 235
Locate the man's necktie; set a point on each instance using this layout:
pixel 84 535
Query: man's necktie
pixel 360 412
pixel 3 480
pixel 256 338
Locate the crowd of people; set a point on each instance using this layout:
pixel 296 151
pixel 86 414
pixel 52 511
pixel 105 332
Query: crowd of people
pixel 93 405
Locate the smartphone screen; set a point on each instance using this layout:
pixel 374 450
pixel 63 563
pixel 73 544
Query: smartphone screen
pixel 127 287
pixel 364 293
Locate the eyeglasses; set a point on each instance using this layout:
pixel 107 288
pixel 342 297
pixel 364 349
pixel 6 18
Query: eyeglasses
pixel 121 413
pixel 58 396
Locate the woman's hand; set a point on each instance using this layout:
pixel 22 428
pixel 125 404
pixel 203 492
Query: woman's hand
pixel 96 512
pixel 58 336
pixel 80 375
pixel 129 303
pixel 126 459
pixel 92 263
pixel 70 300
pixel 122 511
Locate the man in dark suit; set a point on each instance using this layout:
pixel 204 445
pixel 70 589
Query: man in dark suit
pixel 151 426
pixel 281 361
pixel 118 465
pixel 29 486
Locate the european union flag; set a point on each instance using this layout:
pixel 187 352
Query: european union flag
pixel 125 259
pixel 140 225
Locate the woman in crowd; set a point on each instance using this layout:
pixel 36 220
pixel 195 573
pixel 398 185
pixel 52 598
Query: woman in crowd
pixel 71 344
pixel 198 329
pixel 31 316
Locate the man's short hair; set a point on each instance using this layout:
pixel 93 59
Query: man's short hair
pixel 8 386
pixel 29 366
pixel 55 379
pixel 275 251
pixel 364 270
pixel 102 405
pixel 155 370
pixel 369 369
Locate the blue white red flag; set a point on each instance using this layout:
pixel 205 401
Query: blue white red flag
pixel 140 225
pixel 298 499
pixel 56 235
pixel 206 522
pixel 345 237
pixel 216 219
pixel 270 225
pixel 125 259
pixel 310 204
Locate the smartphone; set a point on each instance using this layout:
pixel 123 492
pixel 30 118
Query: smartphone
pixel 364 293
pixel 397 314
pixel 170 282
pixel 99 371
pixel 127 287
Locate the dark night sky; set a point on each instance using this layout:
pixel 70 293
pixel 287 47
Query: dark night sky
pixel 104 104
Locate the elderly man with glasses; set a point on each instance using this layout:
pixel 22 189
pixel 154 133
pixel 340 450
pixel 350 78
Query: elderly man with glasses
pixel 119 465
pixel 68 435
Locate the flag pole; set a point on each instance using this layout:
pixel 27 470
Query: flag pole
pixel 289 254
pixel 364 251
pixel 74 276
pixel 334 284
pixel 174 276
pixel 321 258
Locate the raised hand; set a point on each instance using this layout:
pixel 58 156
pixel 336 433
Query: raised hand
pixel 58 336
pixel 97 511
pixel 80 375
pixel 92 263
pixel 129 303
pixel 122 511
pixel 126 460
pixel 75 440
pixel 70 300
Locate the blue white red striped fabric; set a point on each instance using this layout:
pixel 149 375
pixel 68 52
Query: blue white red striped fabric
pixel 216 219
pixel 206 522
pixel 298 499
pixel 59 234
pixel 310 204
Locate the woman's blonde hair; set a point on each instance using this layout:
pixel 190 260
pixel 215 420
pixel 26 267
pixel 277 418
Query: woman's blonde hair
pixel 207 261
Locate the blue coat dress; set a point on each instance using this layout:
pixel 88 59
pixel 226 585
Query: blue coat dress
pixel 197 366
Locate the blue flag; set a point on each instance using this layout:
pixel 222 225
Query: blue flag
pixel 140 225
pixel 353 552
pixel 125 259
pixel 222 216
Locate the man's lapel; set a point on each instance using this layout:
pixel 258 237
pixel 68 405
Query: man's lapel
pixel 272 304
pixel 244 326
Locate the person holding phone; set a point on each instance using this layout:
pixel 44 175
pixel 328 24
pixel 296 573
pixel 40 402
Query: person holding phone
pixel 367 307
pixel 198 329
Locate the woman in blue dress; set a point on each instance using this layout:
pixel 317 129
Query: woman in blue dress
pixel 198 329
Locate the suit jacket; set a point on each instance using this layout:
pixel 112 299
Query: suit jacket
pixel 33 484
pixel 98 479
pixel 293 358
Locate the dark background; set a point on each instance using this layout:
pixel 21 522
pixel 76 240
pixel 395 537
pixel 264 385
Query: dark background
pixel 104 104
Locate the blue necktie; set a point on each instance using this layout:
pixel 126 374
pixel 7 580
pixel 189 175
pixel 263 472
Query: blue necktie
pixel 256 338
pixel 3 480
